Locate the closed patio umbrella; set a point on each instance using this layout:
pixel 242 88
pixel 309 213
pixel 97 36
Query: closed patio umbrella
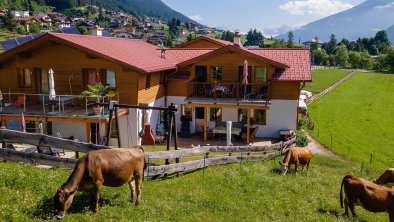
pixel 23 123
pixel 52 93
pixel 245 76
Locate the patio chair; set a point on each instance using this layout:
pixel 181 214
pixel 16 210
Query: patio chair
pixel 252 135
pixel 208 92
pixel 229 92
pixel 21 100
pixel 262 94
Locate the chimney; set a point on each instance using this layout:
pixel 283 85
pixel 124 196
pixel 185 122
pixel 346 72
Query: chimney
pixel 97 31
pixel 237 39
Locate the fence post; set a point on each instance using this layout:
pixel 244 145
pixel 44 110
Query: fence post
pixel 203 169
pixel 362 169
pixel 147 178
pixel 370 160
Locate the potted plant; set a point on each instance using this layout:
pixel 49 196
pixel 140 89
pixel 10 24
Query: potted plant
pixel 96 93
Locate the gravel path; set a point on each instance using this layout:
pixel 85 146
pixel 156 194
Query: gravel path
pixel 319 149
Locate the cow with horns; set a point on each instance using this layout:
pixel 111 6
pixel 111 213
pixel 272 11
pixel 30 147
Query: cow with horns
pixel 109 167
pixel 297 156
pixel 370 196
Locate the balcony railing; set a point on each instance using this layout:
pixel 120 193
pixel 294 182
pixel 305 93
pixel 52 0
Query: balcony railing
pixel 230 91
pixel 42 105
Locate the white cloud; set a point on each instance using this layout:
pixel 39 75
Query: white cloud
pixel 315 7
pixel 196 17
pixel 389 5
pixel 267 32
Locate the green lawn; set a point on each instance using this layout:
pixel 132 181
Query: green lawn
pixel 358 116
pixel 251 192
pixel 324 78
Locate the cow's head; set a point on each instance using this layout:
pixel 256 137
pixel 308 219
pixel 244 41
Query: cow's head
pixel 285 167
pixel 62 201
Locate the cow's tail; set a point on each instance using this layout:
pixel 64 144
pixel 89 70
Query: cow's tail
pixel 340 193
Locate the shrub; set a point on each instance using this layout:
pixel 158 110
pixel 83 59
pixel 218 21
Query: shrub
pixel 301 138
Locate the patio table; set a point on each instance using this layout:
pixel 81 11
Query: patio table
pixel 223 130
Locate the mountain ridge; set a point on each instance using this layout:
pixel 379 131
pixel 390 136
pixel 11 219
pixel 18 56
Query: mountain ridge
pixel 363 20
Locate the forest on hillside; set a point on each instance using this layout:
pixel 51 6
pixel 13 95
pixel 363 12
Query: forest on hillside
pixel 154 8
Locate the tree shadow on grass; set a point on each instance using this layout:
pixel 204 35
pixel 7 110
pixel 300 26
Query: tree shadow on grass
pixel 82 202
pixel 338 215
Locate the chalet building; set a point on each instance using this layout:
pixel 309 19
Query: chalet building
pixel 313 43
pixel 204 78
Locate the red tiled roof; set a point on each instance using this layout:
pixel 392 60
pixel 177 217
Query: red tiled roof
pixel 298 60
pixel 181 55
pixel 131 52
pixel 210 39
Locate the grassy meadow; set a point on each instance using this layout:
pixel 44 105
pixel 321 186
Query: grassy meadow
pixel 253 191
pixel 355 120
pixel 358 116
pixel 324 78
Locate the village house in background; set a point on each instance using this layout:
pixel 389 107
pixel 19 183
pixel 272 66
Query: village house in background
pixel 204 77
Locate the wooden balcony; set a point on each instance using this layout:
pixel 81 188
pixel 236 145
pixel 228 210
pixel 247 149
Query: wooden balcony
pixel 40 106
pixel 229 91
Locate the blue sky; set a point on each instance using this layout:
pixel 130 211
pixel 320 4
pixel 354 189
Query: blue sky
pixel 269 16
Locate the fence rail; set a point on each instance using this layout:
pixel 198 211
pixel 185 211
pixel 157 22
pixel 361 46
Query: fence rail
pixel 243 153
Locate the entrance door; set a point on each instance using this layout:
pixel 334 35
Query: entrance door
pixel 199 120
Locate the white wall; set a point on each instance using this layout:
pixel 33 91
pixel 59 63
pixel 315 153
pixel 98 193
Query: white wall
pixel 281 116
pixel 67 129
pixel 179 100
pixel 128 126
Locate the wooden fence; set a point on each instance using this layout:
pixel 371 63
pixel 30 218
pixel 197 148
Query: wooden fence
pixel 202 154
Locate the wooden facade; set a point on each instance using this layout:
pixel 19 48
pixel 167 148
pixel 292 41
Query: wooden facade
pixel 136 86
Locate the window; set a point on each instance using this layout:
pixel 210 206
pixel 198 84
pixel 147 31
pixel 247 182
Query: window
pixel 201 74
pixel 216 73
pixel 257 116
pixel 110 79
pixel 215 114
pixel 44 81
pixel 148 80
pixel 199 112
pixel 24 77
pixel 261 74
pixel 186 110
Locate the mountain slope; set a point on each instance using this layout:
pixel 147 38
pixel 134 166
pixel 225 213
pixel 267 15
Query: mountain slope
pixel 154 8
pixel 390 33
pixel 363 20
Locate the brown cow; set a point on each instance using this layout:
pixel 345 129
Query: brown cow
pixel 111 167
pixel 370 196
pixel 296 156
pixel 387 178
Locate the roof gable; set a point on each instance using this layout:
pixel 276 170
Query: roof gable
pixel 215 42
pixel 298 60
pixel 133 53
pixel 234 49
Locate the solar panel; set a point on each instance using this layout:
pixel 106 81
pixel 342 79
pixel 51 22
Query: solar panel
pixel 12 43
pixel 9 44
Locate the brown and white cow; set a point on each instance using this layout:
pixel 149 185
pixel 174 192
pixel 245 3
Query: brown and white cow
pixel 387 178
pixel 110 167
pixel 297 156
pixel 370 196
